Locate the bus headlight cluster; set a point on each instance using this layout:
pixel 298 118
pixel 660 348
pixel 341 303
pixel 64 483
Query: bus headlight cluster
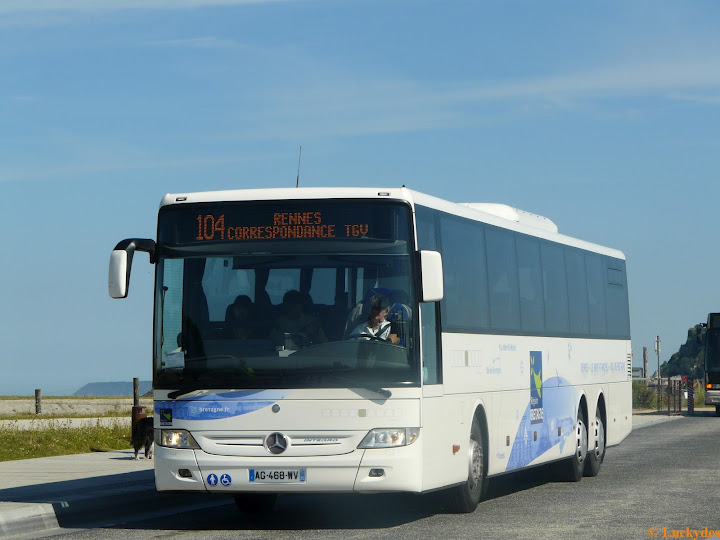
pixel 389 437
pixel 710 386
pixel 175 438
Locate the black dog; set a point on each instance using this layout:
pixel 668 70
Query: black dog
pixel 143 434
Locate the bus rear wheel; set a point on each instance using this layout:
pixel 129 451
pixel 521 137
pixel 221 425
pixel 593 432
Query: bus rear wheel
pixel 596 450
pixel 255 503
pixel 572 468
pixel 469 494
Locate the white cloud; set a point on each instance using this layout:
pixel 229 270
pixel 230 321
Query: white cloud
pixel 641 79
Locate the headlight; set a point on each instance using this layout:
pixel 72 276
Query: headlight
pixel 175 438
pixel 389 437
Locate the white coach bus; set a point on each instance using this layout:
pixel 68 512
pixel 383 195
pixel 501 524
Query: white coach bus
pixel 377 340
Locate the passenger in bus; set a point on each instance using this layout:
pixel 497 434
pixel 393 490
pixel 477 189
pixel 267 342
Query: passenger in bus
pixel 302 328
pixel 238 319
pixel 377 326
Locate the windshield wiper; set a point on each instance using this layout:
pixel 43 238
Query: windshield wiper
pixel 384 392
pixel 185 390
pixel 207 385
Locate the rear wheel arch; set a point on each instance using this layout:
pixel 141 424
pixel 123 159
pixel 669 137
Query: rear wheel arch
pixel 481 417
pixel 583 408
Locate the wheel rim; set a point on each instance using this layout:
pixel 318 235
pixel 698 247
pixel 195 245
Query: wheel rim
pixel 582 440
pixel 476 465
pixel 599 438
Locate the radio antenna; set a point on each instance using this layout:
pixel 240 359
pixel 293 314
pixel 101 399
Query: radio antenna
pixel 297 180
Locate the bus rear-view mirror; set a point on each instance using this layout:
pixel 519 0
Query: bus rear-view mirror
pixel 432 276
pixel 121 264
pixel 118 274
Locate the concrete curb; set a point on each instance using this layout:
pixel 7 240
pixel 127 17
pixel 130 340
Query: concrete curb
pixel 23 518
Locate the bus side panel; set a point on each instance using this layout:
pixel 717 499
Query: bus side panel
pixel 445 424
pixel 619 412
pixel 533 386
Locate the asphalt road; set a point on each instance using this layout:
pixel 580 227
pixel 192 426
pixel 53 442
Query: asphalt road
pixel 662 478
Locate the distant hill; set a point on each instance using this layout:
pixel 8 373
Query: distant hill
pixel 123 388
pixel 690 358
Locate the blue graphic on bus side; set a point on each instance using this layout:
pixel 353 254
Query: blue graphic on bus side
pixel 212 480
pixel 210 410
pixel 225 480
pixel 536 398
pixel 559 413
pixel 216 406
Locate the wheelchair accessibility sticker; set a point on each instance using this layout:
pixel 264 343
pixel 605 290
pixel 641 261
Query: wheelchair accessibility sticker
pixel 224 480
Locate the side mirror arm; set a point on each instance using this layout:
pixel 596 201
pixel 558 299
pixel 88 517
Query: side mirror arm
pixel 121 264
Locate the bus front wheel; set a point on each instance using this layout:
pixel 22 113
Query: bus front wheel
pixel 717 410
pixel 468 495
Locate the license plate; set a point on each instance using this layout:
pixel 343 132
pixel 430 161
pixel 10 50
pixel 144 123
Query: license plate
pixel 277 476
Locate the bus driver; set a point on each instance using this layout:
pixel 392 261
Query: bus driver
pixel 377 326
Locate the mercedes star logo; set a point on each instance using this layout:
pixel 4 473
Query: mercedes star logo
pixel 276 443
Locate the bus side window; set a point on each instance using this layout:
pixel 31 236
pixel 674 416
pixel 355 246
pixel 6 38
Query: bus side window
pixel 431 360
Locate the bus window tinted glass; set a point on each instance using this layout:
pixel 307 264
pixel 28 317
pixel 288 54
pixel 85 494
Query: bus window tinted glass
pixel 618 318
pixel 465 305
pixel 432 370
pixel 577 292
pixel 532 307
pixel 502 279
pixel 596 294
pixel 555 289
pixel 425 221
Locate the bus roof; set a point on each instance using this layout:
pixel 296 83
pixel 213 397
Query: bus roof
pixel 499 215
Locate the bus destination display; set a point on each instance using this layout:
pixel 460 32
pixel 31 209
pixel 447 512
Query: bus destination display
pixel 282 222
pixel 285 225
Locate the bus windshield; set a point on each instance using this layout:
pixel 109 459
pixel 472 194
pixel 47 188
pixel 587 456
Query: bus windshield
pixel 285 295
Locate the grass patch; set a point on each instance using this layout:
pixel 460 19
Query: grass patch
pixel 60 441
pixel 44 397
pixel 43 416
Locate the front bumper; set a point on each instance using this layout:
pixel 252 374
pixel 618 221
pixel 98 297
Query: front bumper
pixel 345 473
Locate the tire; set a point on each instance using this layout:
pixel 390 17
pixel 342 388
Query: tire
pixel 468 495
pixel 255 503
pixel 717 410
pixel 596 449
pixel 571 470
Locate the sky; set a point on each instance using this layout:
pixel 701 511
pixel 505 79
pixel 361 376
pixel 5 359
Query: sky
pixel 603 117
